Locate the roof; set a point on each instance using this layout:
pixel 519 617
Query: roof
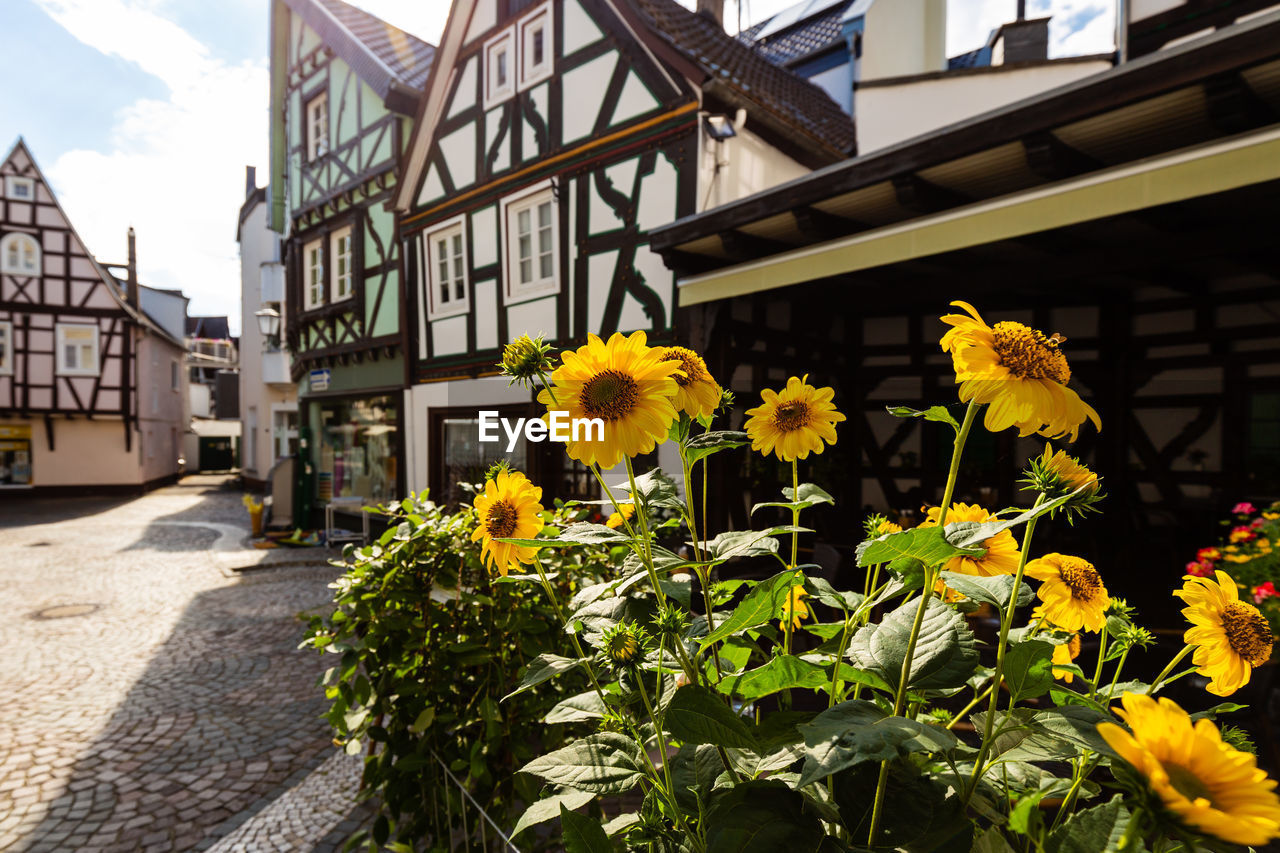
pixel 742 74
pixel 214 328
pixel 795 33
pixel 384 56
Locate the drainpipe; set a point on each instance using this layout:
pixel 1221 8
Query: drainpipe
pixel 132 294
pixel 1122 31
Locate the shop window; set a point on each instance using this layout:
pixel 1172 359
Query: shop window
pixel 318 126
pixel 19 254
pixel 357 452
pixel 341 258
pixel 313 272
pixel 458 456
pixel 6 348
pixel 447 286
pixel 77 349
pixel 15 456
pixel 532 246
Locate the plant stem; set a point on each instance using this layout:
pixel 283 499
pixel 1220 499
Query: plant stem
pixel 669 789
pixel 1102 656
pixel 1168 669
pixel 977 700
pixel 956 452
pixel 647 556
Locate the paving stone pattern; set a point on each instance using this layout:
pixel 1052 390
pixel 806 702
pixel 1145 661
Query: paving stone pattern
pixel 174 708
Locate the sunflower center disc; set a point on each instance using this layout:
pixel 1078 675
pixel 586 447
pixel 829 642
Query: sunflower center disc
pixel 609 395
pixel 1028 354
pixel 1081 577
pixel 692 372
pixel 791 416
pixel 1187 783
pixel 1248 632
pixel 502 519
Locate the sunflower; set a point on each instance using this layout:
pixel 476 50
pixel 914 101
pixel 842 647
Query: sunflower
pixel 698 394
pixel 1055 474
pixel 508 508
pixel 624 513
pixel 1231 637
pixel 1072 592
pixel 1207 784
pixel 624 383
pixel 1002 554
pixel 793 422
pixel 1022 374
pixel 794 608
pixel 1064 654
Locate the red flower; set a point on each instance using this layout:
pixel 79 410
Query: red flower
pixel 1243 508
pixel 1242 534
pixel 1257 522
pixel 1208 555
pixel 1263 591
pixel 1200 569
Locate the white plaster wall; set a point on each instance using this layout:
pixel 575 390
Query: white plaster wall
pixel 752 165
pixel 904 37
pixel 892 113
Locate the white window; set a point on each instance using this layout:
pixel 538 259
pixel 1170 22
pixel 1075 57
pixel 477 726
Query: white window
pixel 19 189
pixel 499 68
pixel 341 258
pixel 318 126
pixel 6 348
pixel 535 47
pixel 175 375
pixel 532 241
pixel 77 349
pixel 447 290
pixel 313 274
pixel 19 254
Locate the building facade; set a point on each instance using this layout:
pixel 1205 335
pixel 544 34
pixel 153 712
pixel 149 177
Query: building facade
pixel 92 389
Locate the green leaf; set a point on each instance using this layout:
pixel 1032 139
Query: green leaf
pixel 991 841
pixel 762 604
pixel 1021 816
pixel 576 709
pixel 1218 710
pixel 603 763
pixel 583 833
pixel 781 673
pixel 808 495
pixel 1028 670
pixel 703 445
pixel 579 533
pixel 423 722
pixel 696 715
pixel 841 600
pixel 549 807
pixel 761 817
pixel 743 543
pixel 926 544
pixel 969 534
pixel 542 668
pixel 857 731
pixel 655 489
pixel 945 654
pixel 993 590
pixel 694 770
pixel 1077 724
pixel 1098 828
pixel 938 414
pixel 626 820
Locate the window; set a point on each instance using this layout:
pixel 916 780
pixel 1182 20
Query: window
pixel 284 431
pixel 19 189
pixel 318 126
pixel 356 449
pixel 6 348
pixel 532 246
pixel 499 68
pixel 340 257
pixel 175 376
pixel 535 48
pixel 19 254
pixel 447 271
pixel 313 274
pixel 77 349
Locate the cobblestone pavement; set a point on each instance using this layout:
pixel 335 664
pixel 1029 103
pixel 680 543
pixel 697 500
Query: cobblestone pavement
pixel 155 700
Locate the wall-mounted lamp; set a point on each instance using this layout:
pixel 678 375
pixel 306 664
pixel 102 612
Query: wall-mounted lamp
pixel 269 325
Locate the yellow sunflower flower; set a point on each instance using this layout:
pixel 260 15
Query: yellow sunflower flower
pixel 793 422
pixel 1072 592
pixel 624 383
pixel 887 527
pixel 508 508
pixel 1064 654
pixel 1019 372
pixel 625 511
pixel 1209 785
pixel 698 394
pixel 1002 554
pixel 1231 637
pixel 794 608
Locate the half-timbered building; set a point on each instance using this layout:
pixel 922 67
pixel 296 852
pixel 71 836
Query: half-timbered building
pixel 92 389
pixel 553 136
pixel 343 87
pixel 1132 211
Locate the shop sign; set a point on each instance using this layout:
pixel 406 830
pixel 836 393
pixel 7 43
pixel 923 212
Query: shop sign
pixel 318 380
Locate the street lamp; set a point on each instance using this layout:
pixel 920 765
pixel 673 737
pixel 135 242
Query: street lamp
pixel 269 325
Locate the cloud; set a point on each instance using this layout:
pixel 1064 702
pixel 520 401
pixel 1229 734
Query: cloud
pixel 416 17
pixel 173 168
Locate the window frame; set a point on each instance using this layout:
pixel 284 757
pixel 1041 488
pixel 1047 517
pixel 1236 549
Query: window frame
pixel 438 309
pixel 315 152
pixel 336 277
pixel 313 291
pixel 531 75
pixel 175 375
pixel 15 236
pixel 11 181
pixel 60 344
pixel 513 290
pixel 494 94
pixel 6 348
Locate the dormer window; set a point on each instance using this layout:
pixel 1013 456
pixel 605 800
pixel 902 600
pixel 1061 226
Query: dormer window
pixel 535 47
pixel 499 68
pixel 318 126
pixel 19 255
pixel 19 189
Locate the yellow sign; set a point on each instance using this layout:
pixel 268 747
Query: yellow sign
pixel 15 431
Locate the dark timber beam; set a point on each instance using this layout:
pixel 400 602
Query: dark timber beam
pixel 915 193
pixel 748 247
pixel 1233 106
pixel 689 263
pixel 820 226
pixel 1052 159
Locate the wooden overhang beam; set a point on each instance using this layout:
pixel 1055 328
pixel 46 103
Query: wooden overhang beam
pixel 1052 159
pixel 741 246
pixel 1233 106
pixel 820 226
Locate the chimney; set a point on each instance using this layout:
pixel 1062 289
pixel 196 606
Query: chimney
pixel 250 180
pixel 713 9
pixel 132 295
pixel 1025 41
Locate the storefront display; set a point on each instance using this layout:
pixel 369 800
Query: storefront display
pixel 357 449
pixel 15 455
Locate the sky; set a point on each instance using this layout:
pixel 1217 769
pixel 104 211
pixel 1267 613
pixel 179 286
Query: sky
pixel 146 112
